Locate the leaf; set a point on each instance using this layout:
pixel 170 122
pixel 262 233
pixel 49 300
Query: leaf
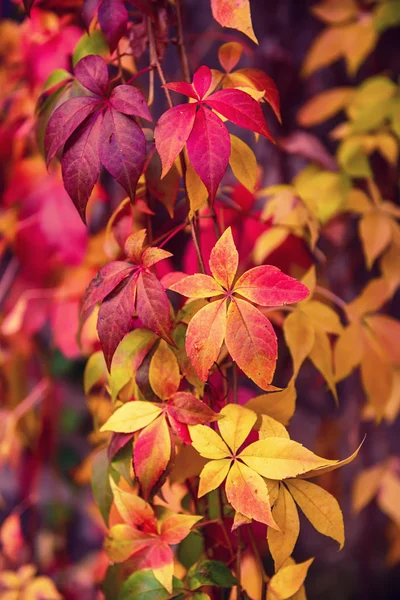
pixel 92 73
pixel 208 443
pixel 366 485
pixel 388 497
pixel 189 410
pixel 90 44
pixel 234 14
pixel 133 509
pixel 268 286
pixel 224 260
pixel 122 149
pixel 210 572
pixel 152 305
pixel 208 149
pixel 164 373
pixel 143 585
pixel 132 416
pixel 105 282
pixel 202 79
pixel 80 162
pixel 95 371
pixel 288 581
pixel 247 492
pixel 229 55
pixel 320 508
pixel 113 19
pixel 196 190
pixel 251 341
pixel 171 133
pixel 281 543
pixel 358 41
pixel 348 351
pixel 325 105
pixel 151 454
pixel 322 316
pixel 299 336
pixel 213 474
pixel 236 425
pixel 115 319
pixel 377 389
pixel 241 109
pixel 257 79
pixel 280 458
pixel 267 242
pixel 130 101
pixel 205 334
pixel 271 428
pixel 100 483
pixel 321 357
pixel 243 163
pixel 326 49
pixel 123 540
pixel 176 527
pixel 337 465
pixel 197 286
pixel 376 233
pixel 386 330
pixel 278 405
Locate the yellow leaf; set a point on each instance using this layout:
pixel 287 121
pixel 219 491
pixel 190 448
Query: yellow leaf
pixel 358 202
pixel 388 498
pixel 320 508
pixel 377 388
pixel 41 588
pixel 267 242
pixel 132 416
pixel 335 11
pixel 339 463
pixel 390 267
pixel 208 443
pixel 278 405
pixel 236 425
pixel 164 575
pixel 271 428
pixel 229 55
pixel 243 163
pixel 130 504
pixel 234 14
pixel 300 337
pixel 324 105
pixel 196 190
pixel 279 458
pixel 371 93
pixel 366 486
pixel 358 40
pixel 348 351
pixel 321 357
pixel 325 49
pixel 375 233
pixel 324 193
pixel 371 299
pixel 388 147
pixel 281 543
pixel 387 332
pixel 213 474
pixel 95 371
pixel 164 376
pixel 310 280
pixel 288 580
pixel 351 157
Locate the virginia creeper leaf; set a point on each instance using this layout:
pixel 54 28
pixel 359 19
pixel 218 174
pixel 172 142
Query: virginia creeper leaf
pixel 113 19
pixel 130 101
pixel 151 454
pixel 132 416
pixel 234 14
pixel 224 260
pixel 241 109
pixel 268 286
pixel 281 543
pixel 152 305
pixel 236 425
pixel 106 280
pixel 164 373
pixel 92 73
pixel 172 132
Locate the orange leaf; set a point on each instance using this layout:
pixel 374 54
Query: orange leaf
pixel 176 527
pixel 224 260
pixel 234 14
pixel 213 474
pixel 164 376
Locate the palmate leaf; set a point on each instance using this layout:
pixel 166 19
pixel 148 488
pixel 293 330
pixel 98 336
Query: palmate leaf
pixel 234 14
pixel 98 130
pixel 248 334
pixel 204 133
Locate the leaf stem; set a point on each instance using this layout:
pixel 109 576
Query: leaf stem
pixel 180 43
pixel 234 383
pixel 264 576
pixel 332 297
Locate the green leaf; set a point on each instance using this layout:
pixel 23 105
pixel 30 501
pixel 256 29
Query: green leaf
pixel 101 487
pixel 190 549
pixel 95 370
pixel 56 77
pixel 210 572
pixel 387 15
pixel 111 582
pixel 122 462
pixel 95 43
pixel 144 586
pixel 351 157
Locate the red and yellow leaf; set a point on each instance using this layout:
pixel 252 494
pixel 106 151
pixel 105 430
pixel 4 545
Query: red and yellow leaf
pixel 151 454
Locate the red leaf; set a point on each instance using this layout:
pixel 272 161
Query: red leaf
pixel 241 109
pixel 189 410
pixel 80 162
pixel 113 19
pixel 202 80
pixel 122 149
pixel 115 319
pixel 172 132
pixel 130 101
pixel 152 305
pixel 251 341
pixel 105 282
pixel 224 260
pixel 268 286
pixel 182 87
pixel 262 81
pixel 91 71
pixel 64 120
pixel 209 148
pixel 151 454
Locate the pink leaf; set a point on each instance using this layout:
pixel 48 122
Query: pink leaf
pixel 80 162
pixel 105 282
pixel 209 148
pixel 89 10
pixel 202 80
pixel 172 132
pixel 122 149
pixel 91 71
pixel 188 409
pixel 241 109
pixel 152 305
pixel 115 319
pixel 182 87
pixel 64 120
pixel 113 19
pixel 268 286
pixel 130 101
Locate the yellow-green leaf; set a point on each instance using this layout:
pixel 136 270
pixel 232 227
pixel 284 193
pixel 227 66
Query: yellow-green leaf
pixel 132 416
pixel 243 163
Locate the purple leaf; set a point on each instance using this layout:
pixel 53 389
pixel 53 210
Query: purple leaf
pixel 115 319
pixel 113 19
pixel 122 149
pixel 172 132
pixel 209 149
pixel 105 282
pixel 65 120
pixel 89 9
pixel 91 71
pixel 130 101
pixel 152 305
pixel 80 162
pixel 241 109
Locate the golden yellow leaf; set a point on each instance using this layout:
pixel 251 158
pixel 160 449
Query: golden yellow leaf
pixel 366 486
pixel 278 405
pixel 132 416
pixel 322 316
pixel 321 357
pixel 387 332
pixel 390 267
pixel 320 508
pixel 377 388
pixel 310 279
pixel 300 337
pixel 164 376
pixel 196 190
pixel 234 14
pixel 335 11
pixel 213 474
pixel 323 192
pixel 288 580
pixel 351 156
pixel 337 465
pixel 392 408
pixel 388 147
pixel 243 163
pixel 358 40
pixel 236 425
pixel 41 588
pixel 371 299
pixel 348 351
pixel 208 443
pixel 271 428
pixel 267 242
pixel 388 498
pixel 324 105
pixel 325 49
pixel 358 202
pixel 375 233
pixel 281 543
